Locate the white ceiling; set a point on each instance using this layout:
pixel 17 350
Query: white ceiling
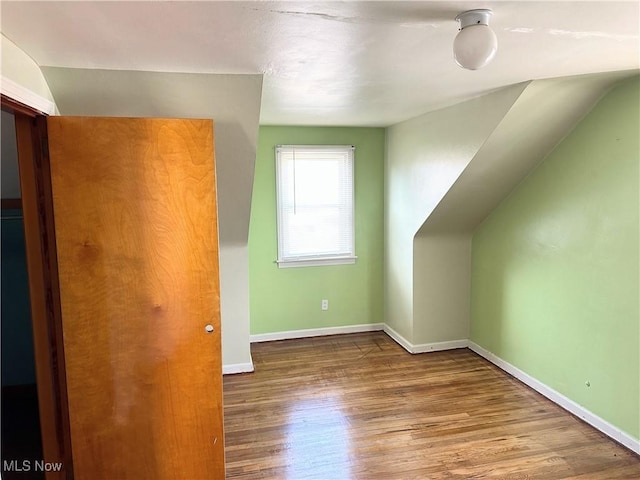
pixel 331 63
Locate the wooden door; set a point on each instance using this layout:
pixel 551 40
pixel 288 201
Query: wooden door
pixel 136 241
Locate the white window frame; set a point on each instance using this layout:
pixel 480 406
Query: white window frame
pixel 284 261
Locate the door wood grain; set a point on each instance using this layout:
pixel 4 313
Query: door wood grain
pixel 136 232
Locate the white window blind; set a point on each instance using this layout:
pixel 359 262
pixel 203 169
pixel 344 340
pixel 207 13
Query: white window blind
pixel 315 205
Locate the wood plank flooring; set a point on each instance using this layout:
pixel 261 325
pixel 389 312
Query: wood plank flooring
pixel 359 407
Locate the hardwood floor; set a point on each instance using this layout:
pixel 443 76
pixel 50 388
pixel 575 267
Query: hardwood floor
pixel 359 407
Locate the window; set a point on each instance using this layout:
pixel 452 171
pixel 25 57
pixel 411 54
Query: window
pixel 315 205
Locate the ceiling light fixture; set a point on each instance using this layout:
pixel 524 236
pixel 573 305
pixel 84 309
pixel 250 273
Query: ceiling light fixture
pixel 476 44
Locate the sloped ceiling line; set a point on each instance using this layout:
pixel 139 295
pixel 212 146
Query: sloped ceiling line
pixel 544 114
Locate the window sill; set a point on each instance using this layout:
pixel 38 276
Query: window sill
pixel 316 262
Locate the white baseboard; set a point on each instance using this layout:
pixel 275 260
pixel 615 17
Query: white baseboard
pixel 559 399
pixel 237 368
pixel 423 347
pixel 25 96
pixel 399 339
pixel 439 346
pixel 315 332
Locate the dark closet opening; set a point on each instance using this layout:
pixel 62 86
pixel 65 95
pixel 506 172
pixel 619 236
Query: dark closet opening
pixel 21 444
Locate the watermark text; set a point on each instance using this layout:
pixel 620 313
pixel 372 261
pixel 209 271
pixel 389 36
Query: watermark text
pixel 31 466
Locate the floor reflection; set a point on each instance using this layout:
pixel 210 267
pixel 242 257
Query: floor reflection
pixel 317 440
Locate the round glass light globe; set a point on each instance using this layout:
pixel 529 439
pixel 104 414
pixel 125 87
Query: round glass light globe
pixel 475 46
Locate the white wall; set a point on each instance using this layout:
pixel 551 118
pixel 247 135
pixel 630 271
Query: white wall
pixel 233 102
pixel 442 283
pixel 234 299
pixel 424 157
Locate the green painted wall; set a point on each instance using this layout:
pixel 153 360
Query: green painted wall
pixel 555 284
pixel 283 299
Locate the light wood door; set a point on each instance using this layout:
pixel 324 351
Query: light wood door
pixel 136 241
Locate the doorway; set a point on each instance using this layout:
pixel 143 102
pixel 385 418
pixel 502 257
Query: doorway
pixel 21 440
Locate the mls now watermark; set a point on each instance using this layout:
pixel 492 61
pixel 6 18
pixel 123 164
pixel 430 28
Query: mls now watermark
pixel 31 466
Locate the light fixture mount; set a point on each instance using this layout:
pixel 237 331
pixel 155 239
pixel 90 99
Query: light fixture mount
pixel 479 16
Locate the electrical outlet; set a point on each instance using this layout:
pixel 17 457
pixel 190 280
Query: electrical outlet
pixel 325 304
